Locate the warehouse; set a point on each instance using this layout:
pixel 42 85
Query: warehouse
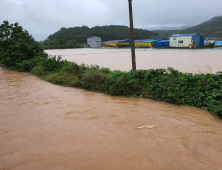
pixel 116 43
pixel 207 42
pixel 186 40
pixel 94 42
pixel 219 43
pixel 163 43
pixel 144 43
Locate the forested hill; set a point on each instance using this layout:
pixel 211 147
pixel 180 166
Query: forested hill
pixel 211 28
pixel 113 32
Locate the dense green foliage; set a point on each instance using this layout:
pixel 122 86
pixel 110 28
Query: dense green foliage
pixel 106 33
pixel 211 28
pixel 165 85
pixel 210 45
pixel 60 43
pixel 17 45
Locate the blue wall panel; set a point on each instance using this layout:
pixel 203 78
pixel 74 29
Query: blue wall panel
pixel 163 43
pixel 199 40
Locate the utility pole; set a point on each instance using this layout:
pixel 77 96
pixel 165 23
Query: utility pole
pixel 132 36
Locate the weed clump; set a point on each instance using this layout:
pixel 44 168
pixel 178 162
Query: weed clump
pixel 94 80
pixel 38 71
pixel 70 67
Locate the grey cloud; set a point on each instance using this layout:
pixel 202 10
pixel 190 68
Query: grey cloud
pixel 41 17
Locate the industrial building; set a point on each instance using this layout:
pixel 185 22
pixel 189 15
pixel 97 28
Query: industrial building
pixel 116 43
pixel 206 42
pixel 219 43
pixel 144 43
pixel 94 42
pixel 186 40
pixel 163 43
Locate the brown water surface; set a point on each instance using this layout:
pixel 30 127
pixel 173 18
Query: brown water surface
pixel 49 127
pixel 184 60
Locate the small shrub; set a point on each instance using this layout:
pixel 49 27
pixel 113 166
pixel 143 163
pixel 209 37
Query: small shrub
pixel 70 67
pixel 25 66
pixel 93 80
pixel 53 63
pixel 210 45
pixel 105 70
pixel 38 71
pixel 94 67
pixel 66 79
pixel 82 68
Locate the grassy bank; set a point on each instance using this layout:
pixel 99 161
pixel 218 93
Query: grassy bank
pixel 163 85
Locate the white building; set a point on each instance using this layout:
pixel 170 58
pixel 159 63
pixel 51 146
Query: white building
pixel 206 42
pixel 186 40
pixel 94 42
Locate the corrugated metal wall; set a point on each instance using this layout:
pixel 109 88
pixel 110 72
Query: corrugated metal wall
pixel 196 39
pixel 201 41
pixel 180 41
pixel 141 44
pixel 117 45
pixel 94 42
pixel 163 43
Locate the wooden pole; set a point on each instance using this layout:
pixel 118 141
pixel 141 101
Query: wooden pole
pixel 132 36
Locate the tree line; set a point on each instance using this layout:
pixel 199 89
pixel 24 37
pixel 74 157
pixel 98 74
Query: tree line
pixel 60 43
pixel 112 32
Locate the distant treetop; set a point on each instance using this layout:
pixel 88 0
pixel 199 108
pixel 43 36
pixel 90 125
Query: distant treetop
pixel 112 32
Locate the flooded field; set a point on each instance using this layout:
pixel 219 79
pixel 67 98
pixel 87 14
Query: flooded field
pixel 184 60
pixel 49 127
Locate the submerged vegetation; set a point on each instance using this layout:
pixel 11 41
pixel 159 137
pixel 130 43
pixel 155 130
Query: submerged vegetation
pixel 164 85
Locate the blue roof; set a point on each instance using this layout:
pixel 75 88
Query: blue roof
pixel 93 37
pixel 138 41
pixel 141 41
pixel 182 35
pixel 117 41
pixel 150 40
pixel 164 41
pixel 219 43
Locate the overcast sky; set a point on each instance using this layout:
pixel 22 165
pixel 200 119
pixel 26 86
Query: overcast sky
pixel 44 17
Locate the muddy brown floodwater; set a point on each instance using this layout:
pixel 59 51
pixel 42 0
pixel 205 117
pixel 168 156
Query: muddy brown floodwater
pixel 184 60
pixel 49 127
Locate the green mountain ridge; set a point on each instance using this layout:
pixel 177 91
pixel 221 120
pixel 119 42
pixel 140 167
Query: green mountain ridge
pixel 211 28
pixel 112 32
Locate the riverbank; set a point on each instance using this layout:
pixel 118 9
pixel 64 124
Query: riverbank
pixel 200 90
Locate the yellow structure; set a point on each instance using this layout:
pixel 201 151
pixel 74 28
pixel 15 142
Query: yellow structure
pixel 116 43
pixel 145 43
pixel 127 43
pixel 141 44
